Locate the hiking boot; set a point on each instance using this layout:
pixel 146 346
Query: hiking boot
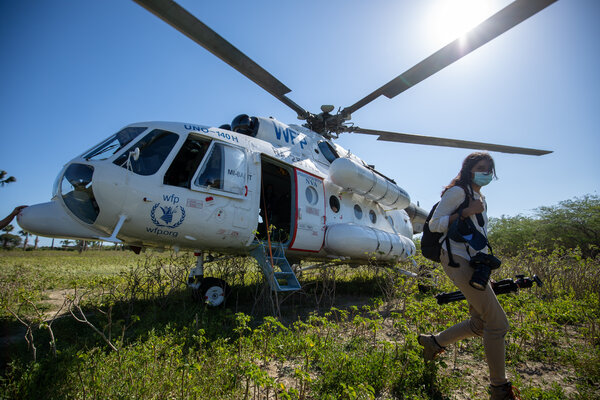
pixel 504 392
pixel 431 348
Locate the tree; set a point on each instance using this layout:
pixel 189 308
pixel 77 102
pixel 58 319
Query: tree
pixel 8 239
pixel 8 228
pixel 26 235
pixel 576 222
pixel 82 245
pixel 4 180
pixel 571 223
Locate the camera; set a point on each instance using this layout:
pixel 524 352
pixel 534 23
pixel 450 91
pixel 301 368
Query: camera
pixel 483 264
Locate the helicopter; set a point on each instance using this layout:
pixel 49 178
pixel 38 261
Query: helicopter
pixel 282 193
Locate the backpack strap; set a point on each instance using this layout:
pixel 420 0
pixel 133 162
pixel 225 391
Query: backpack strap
pixel 469 192
pixel 464 204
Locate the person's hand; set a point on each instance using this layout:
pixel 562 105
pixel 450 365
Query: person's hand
pixel 17 210
pixel 475 207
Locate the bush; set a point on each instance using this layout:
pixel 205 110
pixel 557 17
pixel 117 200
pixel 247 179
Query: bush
pixel 570 224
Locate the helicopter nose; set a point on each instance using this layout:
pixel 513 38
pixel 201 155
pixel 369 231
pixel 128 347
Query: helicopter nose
pixel 51 220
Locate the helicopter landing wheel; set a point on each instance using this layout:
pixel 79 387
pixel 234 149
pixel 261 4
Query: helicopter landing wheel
pixel 213 292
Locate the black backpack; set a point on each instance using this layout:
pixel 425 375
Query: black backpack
pixel 430 241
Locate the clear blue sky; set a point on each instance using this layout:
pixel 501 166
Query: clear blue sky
pixel 74 72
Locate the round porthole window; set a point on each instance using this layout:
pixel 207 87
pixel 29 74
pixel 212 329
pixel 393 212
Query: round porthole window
pixel 311 195
pixel 372 216
pixel 357 211
pixel 334 203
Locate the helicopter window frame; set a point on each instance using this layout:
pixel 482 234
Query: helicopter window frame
pixel 150 161
pixel 241 191
pixel 170 176
pixel 102 151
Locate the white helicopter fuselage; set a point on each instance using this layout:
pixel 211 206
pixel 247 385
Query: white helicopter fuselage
pixel 189 186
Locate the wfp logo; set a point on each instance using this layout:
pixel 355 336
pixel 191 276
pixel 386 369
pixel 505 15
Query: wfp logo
pixel 167 214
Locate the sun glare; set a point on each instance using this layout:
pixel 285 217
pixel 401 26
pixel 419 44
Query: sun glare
pixel 450 19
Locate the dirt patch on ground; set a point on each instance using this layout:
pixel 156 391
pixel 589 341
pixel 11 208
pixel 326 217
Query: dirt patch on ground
pixel 52 306
pixel 474 373
pixel 55 300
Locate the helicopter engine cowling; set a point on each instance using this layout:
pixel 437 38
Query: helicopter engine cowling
pixel 364 242
pixel 351 176
pixel 417 217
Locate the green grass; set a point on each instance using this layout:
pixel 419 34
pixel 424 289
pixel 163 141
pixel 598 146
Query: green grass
pixel 47 270
pixel 157 343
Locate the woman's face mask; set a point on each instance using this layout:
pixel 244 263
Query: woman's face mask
pixel 482 178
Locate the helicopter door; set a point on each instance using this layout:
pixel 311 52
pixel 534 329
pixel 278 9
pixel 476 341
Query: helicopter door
pixel 275 201
pixel 309 229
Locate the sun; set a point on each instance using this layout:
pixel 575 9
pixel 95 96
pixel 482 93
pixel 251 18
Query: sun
pixel 450 19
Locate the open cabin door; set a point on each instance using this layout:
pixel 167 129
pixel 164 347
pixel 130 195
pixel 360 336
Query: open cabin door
pixel 275 201
pixel 309 226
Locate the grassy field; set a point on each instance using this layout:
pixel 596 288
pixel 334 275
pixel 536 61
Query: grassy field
pixel 113 325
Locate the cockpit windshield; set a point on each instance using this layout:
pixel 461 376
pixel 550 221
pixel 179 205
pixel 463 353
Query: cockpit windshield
pixel 114 143
pixel 152 150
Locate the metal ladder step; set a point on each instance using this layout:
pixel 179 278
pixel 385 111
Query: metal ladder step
pixel 283 280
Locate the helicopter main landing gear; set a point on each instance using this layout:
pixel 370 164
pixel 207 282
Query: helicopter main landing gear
pixel 211 291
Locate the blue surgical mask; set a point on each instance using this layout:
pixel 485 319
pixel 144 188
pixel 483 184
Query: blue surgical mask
pixel 482 178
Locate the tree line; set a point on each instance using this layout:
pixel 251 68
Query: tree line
pixel 573 223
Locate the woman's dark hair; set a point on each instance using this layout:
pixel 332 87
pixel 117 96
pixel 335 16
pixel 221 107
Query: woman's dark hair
pixel 463 179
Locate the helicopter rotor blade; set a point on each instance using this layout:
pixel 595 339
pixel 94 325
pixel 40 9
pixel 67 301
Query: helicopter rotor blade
pixel 502 21
pixel 179 18
pixel 437 141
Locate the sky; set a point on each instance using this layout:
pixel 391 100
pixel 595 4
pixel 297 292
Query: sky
pixel 73 72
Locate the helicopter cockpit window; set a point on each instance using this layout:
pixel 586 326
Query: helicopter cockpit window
pixel 186 163
pixel 77 193
pixel 328 151
pixel 154 149
pixel 224 169
pixel 114 143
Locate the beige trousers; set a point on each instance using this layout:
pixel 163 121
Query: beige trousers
pixel 487 319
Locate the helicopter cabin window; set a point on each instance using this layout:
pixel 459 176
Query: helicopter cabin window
pixel 358 213
pixel 372 216
pixel 334 203
pixel 153 150
pixel 224 169
pixel 114 143
pixel 186 163
pixel 312 197
pixel 328 151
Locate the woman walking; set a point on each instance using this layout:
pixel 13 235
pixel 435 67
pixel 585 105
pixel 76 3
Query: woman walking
pixel 487 316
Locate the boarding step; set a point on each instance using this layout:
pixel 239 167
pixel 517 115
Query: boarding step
pixel 280 275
